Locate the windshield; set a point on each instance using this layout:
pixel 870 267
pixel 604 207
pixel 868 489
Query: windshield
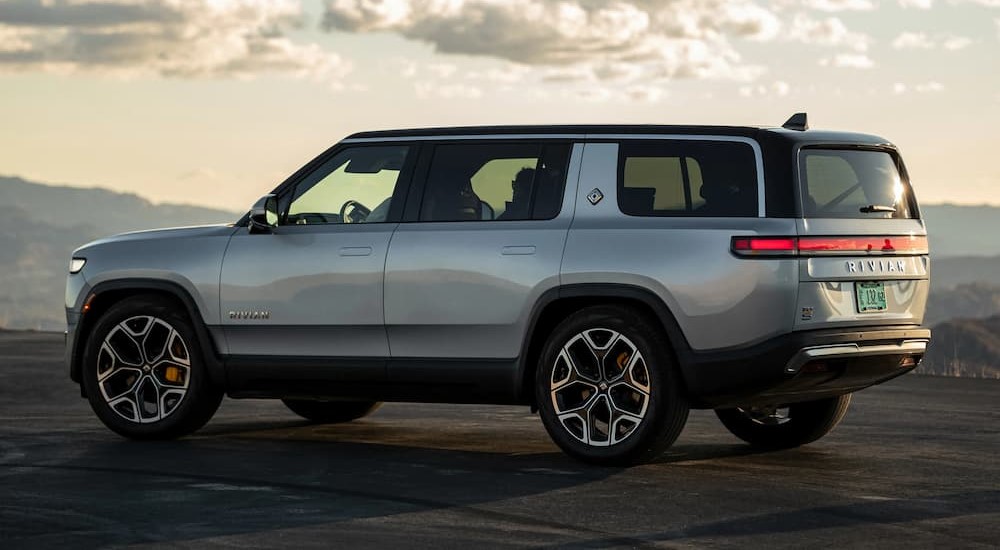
pixel 848 183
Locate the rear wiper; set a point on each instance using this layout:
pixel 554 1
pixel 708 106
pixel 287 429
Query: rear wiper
pixel 877 208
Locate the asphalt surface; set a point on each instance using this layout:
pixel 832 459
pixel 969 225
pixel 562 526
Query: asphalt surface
pixel 915 464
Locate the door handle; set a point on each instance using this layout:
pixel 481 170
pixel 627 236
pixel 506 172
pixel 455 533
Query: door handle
pixel 518 250
pixel 356 251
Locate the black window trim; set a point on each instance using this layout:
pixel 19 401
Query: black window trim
pixel 752 143
pixel 418 186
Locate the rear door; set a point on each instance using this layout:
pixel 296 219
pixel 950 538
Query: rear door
pixel 862 244
pixel 482 240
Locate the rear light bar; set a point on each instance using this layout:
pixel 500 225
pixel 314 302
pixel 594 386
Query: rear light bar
pixel 904 245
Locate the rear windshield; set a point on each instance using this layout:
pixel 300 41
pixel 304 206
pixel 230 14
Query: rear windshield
pixel 843 183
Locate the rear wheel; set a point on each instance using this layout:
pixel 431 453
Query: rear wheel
pixel 331 412
pixel 784 426
pixel 144 373
pixel 607 390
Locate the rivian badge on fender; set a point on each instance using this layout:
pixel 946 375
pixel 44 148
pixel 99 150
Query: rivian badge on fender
pixel 262 315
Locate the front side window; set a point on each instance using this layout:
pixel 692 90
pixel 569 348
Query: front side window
pixel 355 186
pixel 495 181
pixel 687 178
pixel 845 183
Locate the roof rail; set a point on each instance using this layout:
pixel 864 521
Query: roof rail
pixel 798 121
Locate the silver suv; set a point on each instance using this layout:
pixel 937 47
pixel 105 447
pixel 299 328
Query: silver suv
pixel 609 277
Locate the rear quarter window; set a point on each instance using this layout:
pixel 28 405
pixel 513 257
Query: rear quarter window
pixel 847 183
pixel 687 178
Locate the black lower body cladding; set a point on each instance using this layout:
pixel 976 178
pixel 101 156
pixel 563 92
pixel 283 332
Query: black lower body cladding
pixel 761 373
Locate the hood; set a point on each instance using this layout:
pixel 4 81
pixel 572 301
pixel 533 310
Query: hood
pixel 160 234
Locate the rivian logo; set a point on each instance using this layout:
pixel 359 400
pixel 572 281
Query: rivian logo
pixel 252 314
pixel 876 266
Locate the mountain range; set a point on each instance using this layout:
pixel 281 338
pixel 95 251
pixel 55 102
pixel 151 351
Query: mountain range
pixel 41 224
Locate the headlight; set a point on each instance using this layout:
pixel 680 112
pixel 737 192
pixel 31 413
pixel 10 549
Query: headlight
pixel 76 264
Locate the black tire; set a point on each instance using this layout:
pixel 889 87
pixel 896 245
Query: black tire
pixel 664 408
pixel 805 422
pixel 174 416
pixel 331 412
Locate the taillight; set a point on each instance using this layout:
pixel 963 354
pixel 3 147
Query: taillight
pixel 906 245
pixel 765 246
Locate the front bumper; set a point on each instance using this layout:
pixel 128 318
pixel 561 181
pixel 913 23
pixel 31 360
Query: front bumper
pixel 803 366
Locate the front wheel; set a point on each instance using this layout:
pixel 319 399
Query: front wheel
pixel 606 388
pixel 785 426
pixel 143 371
pixel 331 412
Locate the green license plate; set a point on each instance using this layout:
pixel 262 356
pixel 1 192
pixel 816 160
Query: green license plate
pixel 871 297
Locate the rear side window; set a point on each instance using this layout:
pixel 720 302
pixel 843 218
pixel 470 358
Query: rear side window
pixel 687 178
pixel 495 182
pixel 845 183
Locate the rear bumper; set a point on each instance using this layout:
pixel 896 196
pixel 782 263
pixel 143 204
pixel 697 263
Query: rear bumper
pixel 804 365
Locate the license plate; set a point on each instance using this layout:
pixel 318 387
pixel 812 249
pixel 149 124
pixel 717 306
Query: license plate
pixel 871 297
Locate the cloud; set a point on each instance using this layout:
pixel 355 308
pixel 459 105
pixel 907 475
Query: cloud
pixel 930 87
pixel 918 4
pixel 675 39
pixel 839 5
pixel 447 91
pixel 913 41
pixel 848 61
pixel 955 43
pixel 921 41
pixel 829 31
pixel 648 94
pixel 778 88
pixel 176 38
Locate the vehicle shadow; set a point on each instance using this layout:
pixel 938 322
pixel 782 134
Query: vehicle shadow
pixel 246 477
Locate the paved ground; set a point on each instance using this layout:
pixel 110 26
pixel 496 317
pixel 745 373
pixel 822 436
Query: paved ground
pixel 915 465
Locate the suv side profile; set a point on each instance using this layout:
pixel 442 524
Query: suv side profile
pixel 610 277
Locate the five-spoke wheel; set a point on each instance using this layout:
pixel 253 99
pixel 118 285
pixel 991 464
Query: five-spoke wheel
pixel 143 371
pixel 600 387
pixel 606 387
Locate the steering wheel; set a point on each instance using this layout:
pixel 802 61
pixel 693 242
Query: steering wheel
pixel 358 212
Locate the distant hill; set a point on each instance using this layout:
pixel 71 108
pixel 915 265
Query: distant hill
pixel 970 300
pixel 963 270
pixel 965 347
pixel 962 230
pixel 40 225
pixel 107 212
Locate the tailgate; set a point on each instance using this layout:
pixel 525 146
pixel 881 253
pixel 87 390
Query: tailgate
pixel 862 247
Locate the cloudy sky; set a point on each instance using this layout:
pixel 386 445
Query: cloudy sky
pixel 214 102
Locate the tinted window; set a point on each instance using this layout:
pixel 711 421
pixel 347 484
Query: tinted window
pixel 355 186
pixel 852 184
pixel 495 181
pixel 687 178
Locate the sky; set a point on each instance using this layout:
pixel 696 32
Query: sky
pixel 215 102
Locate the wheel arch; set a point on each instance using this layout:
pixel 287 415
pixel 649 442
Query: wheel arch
pixel 556 303
pixel 105 295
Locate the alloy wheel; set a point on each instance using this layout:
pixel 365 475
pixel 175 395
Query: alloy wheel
pixel 766 415
pixel 143 369
pixel 600 387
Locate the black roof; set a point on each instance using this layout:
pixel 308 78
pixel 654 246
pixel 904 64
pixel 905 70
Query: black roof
pixel 597 129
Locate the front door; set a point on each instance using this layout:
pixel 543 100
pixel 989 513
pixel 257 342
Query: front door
pixel 311 289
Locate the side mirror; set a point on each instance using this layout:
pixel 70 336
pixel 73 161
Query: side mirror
pixel 264 214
